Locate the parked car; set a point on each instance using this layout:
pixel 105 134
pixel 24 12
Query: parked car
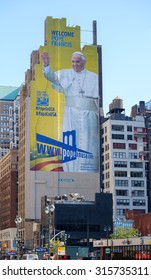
pixel 30 257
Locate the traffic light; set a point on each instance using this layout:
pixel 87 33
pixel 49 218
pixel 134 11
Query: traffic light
pixel 21 245
pixel 65 238
pixel 62 234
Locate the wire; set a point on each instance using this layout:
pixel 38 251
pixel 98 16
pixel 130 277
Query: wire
pixel 87 31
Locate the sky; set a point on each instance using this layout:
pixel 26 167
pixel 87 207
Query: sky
pixel 123 31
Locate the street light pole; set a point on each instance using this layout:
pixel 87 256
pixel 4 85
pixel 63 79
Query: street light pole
pixel 18 220
pixel 107 229
pixel 42 240
pixel 48 210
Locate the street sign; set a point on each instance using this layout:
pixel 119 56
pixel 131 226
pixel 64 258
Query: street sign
pixel 61 251
pixel 41 250
pixel 107 250
pixel 12 253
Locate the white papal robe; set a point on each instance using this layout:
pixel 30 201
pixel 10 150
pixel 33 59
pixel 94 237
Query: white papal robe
pixel 80 113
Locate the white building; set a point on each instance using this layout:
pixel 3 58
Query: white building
pixel 124 156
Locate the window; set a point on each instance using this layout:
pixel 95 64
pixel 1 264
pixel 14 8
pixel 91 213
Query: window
pixel 140 129
pixel 119 145
pixel 137 193
pixel 122 183
pixel 107 184
pixel 118 127
pixel 119 154
pixel 107 156
pixel 122 202
pixel 120 212
pixel 107 175
pixel 132 155
pixel 137 183
pixel 132 146
pixel 136 174
pixel 129 137
pixel 120 173
pixel 136 165
pixel 5 106
pixel 118 136
pixel 122 164
pixel 106 147
pixel 107 165
pixel 122 192
pixel 129 128
pixel 138 202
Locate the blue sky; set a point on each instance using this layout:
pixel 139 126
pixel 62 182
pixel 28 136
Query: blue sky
pixel 123 30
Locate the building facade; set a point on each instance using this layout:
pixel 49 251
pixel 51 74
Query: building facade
pixel 34 182
pixel 9 115
pixel 9 198
pixel 124 152
pixel 144 109
pixel 82 221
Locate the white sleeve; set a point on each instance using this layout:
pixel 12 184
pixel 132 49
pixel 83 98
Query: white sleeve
pixel 49 74
pixel 52 77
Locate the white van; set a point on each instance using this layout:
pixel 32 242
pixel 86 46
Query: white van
pixel 30 257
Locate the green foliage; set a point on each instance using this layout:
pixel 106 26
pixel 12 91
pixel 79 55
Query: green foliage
pixel 124 233
pixel 56 243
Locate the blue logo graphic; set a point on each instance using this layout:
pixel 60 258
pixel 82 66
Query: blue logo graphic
pixel 67 148
pixel 42 98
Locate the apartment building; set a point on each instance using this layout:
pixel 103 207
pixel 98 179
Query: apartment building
pixel 9 112
pixel 9 117
pixel 144 109
pixel 8 198
pixel 124 152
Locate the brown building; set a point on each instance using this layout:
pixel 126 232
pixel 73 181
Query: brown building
pixel 144 109
pixel 142 221
pixel 8 189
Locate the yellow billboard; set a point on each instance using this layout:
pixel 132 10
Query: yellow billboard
pixel 64 132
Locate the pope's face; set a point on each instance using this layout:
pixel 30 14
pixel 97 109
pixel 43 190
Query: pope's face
pixel 77 63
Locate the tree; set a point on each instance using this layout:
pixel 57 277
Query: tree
pixel 124 233
pixel 56 244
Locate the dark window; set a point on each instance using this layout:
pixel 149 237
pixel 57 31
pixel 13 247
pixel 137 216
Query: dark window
pixel 137 193
pixel 129 128
pixel 132 146
pixel 136 164
pixel 118 136
pixel 122 164
pixel 138 202
pixel 129 137
pixel 118 145
pixel 122 202
pixel 118 127
pixel 136 174
pixel 122 192
pixel 120 173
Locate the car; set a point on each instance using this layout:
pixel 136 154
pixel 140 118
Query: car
pixel 30 257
